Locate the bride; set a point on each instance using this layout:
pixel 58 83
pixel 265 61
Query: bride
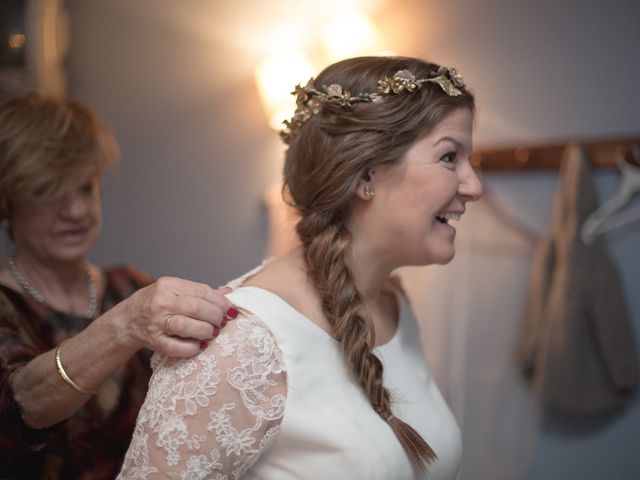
pixel 322 375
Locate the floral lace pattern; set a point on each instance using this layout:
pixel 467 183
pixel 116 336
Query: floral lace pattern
pixel 211 416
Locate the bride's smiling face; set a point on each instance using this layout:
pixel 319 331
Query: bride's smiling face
pixel 416 200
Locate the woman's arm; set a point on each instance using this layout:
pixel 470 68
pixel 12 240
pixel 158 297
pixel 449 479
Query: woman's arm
pixel 93 355
pixel 215 413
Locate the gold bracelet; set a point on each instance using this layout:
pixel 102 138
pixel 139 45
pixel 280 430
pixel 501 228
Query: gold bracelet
pixel 67 379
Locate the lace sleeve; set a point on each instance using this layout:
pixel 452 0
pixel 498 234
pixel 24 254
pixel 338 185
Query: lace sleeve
pixel 213 415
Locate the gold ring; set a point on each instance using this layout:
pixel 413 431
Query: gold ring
pixel 167 325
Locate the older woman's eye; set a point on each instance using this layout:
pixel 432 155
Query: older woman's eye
pixel 87 187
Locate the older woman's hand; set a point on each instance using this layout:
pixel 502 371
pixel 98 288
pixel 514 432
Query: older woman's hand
pixel 173 316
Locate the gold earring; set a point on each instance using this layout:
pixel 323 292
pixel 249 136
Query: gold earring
pixel 368 192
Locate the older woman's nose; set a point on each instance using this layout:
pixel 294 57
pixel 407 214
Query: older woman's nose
pixel 74 206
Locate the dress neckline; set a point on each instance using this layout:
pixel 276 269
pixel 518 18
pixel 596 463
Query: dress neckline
pixel 316 328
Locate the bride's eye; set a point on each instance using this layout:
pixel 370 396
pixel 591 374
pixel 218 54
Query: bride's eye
pixel 449 158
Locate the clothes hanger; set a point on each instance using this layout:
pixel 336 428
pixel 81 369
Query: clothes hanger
pixel 494 207
pixel 605 218
pixel 508 220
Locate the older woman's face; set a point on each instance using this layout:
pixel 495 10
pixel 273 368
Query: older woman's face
pixel 61 231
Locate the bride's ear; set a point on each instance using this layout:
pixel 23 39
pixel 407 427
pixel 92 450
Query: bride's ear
pixel 364 188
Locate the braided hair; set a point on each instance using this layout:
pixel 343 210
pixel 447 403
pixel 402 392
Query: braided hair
pixel 329 154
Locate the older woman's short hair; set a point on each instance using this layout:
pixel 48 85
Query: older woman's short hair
pixel 48 146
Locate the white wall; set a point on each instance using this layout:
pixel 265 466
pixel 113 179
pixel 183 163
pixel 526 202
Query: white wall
pixel 175 83
pixel 187 197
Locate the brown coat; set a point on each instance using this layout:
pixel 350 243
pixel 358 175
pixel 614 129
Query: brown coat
pixel 576 345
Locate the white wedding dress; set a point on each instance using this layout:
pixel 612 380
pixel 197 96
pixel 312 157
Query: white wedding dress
pixel 271 399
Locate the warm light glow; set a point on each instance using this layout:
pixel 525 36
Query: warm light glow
pixel 276 77
pixel 16 40
pixel 347 34
pixel 351 34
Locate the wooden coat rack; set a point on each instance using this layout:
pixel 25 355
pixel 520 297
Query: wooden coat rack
pixel 603 154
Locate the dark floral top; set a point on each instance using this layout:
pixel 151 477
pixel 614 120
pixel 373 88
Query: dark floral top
pixel 91 444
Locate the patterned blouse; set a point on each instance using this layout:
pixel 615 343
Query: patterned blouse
pixel 91 444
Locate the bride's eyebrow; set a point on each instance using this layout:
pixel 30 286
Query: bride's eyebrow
pixel 447 139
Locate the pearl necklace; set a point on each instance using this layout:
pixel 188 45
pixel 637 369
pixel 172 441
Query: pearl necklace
pixel 39 297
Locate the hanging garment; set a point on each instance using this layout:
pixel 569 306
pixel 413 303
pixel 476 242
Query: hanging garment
pixel 576 345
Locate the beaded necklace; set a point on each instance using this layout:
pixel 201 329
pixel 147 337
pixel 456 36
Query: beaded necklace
pixel 40 298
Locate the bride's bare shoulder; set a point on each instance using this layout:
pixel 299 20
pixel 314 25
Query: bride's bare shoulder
pixel 280 272
pixel 286 277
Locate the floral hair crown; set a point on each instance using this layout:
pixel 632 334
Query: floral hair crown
pixel 309 100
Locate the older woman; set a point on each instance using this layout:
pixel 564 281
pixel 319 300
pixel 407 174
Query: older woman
pixel 72 372
pixel 323 375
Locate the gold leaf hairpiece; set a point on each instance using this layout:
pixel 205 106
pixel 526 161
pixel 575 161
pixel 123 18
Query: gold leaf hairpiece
pixel 309 100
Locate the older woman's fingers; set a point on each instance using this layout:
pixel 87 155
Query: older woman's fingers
pixel 180 347
pixel 181 288
pixel 172 310
pixel 200 311
pixel 176 325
